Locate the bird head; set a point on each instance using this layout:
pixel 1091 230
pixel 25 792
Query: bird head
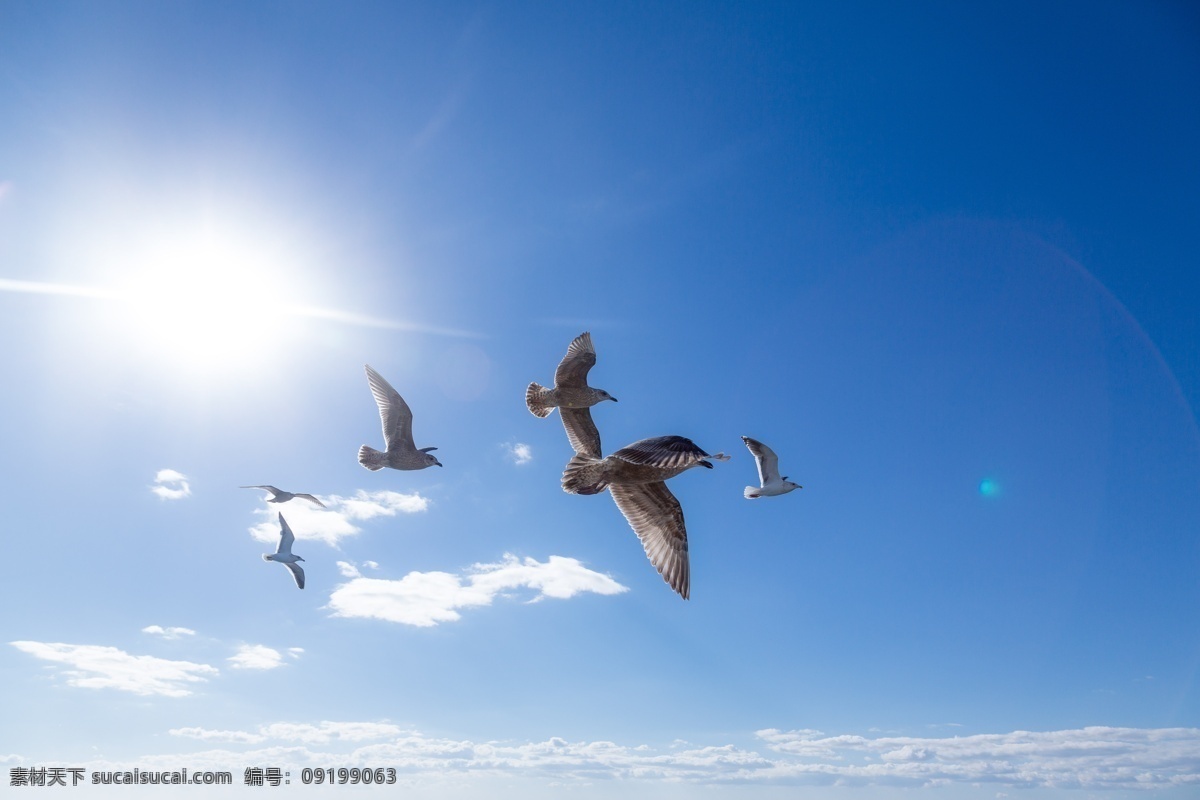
pixel 431 460
pixel 606 396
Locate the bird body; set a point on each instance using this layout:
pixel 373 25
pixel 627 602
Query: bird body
pixel 280 496
pixel 572 396
pixel 636 478
pixel 771 484
pixel 397 418
pixel 283 553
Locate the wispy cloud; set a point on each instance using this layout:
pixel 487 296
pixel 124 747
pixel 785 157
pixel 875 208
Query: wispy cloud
pixel 337 520
pixel 1095 758
pixel 424 599
pixel 520 453
pixel 66 289
pixel 321 733
pixel 312 312
pixel 171 485
pixel 98 667
pixel 256 656
pixel 168 633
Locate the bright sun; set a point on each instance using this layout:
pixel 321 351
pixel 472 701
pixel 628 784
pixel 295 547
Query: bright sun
pixel 209 300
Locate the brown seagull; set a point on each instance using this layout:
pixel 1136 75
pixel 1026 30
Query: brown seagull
pixel 636 478
pixel 396 416
pixel 572 396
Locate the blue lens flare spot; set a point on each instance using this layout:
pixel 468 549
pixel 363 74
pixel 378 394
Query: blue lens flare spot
pixel 988 488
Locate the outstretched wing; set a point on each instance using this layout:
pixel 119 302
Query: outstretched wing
pixel 657 519
pixel 581 430
pixel 286 537
pixel 297 573
pixel 310 497
pixel 573 369
pixel 768 462
pixel 393 412
pixel 667 452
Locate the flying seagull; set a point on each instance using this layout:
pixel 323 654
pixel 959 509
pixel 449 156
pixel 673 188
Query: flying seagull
pixel 283 553
pixel 280 496
pixel 401 453
pixel 572 396
pixel 636 478
pixel 768 472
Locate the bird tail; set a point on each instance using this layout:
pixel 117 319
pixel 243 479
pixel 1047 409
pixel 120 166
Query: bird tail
pixel 371 458
pixel 752 492
pixel 584 474
pixel 535 398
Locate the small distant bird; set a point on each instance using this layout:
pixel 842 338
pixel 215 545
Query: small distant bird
pixel 280 496
pixel 636 478
pixel 283 553
pixel 572 396
pixel 768 472
pixel 397 419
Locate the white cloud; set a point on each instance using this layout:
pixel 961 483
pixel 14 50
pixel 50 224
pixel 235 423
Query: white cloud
pixel 336 521
pixel 520 453
pixel 424 599
pixel 97 667
pixel 348 570
pixel 295 652
pixel 170 485
pixel 256 656
pixel 168 633
pixel 371 564
pixel 1096 758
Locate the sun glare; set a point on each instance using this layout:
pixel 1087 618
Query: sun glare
pixel 209 300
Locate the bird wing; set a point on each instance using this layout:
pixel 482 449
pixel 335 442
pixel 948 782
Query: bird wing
pixel 581 430
pixel 667 452
pixel 768 462
pixel 286 537
pixel 297 573
pixel 573 369
pixel 657 519
pixel 393 412
pixel 310 497
pixel 270 489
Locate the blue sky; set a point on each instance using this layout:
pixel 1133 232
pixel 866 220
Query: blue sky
pixel 943 259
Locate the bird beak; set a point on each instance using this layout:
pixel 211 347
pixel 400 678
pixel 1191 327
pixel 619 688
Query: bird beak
pixel 298 558
pixel 438 463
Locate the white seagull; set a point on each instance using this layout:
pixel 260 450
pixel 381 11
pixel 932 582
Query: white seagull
pixel 280 496
pixel 397 420
pixel 768 472
pixel 283 553
pixel 636 478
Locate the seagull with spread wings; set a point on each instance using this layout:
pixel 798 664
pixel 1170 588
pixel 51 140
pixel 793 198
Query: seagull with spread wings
pixel 572 396
pixel 283 554
pixel 636 478
pixel 770 484
pixel 397 419
pixel 280 496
